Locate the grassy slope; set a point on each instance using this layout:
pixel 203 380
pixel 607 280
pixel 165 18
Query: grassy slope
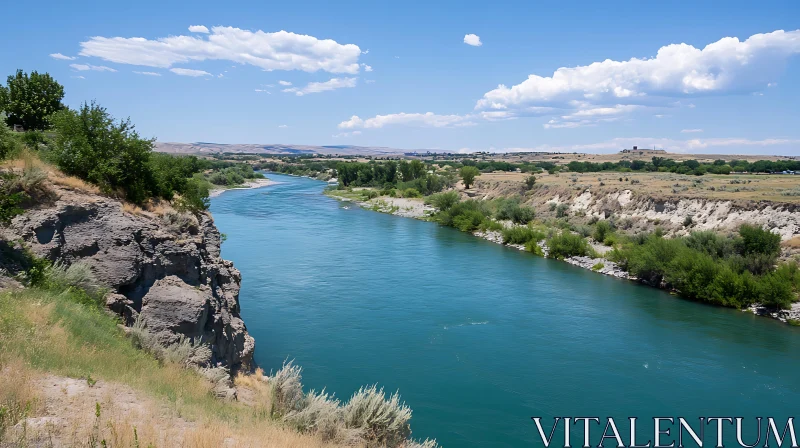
pixel 46 332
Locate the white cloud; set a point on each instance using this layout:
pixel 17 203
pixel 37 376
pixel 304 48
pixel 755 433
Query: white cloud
pixel 189 72
pixel 264 91
pixel 346 134
pixel 97 68
pixel 690 131
pixel 369 81
pixel 473 39
pixel 148 73
pixel 367 68
pixel 281 50
pixel 62 57
pixel 316 87
pixel 284 83
pixel 697 146
pixel 283 126
pixel 198 29
pixel 79 77
pixel 428 119
pixel 728 66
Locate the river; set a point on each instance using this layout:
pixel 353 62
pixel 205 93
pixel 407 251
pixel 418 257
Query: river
pixel 477 337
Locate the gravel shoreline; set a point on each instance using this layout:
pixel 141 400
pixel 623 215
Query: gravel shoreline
pixel 257 183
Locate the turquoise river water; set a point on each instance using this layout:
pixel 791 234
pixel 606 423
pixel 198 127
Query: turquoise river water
pixel 479 338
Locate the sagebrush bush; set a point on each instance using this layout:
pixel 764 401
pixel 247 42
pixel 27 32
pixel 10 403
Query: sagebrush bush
pixel 287 390
pixel 77 275
pixel 322 414
pixel 369 416
pixel 186 352
pixel 385 421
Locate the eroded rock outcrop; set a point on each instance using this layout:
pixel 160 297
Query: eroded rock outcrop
pixel 166 268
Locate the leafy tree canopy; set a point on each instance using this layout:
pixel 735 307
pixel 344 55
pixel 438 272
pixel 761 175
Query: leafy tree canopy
pixel 29 101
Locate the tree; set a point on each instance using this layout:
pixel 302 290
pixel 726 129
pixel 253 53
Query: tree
pixel 468 174
pixel 29 101
pixel 530 181
pixel 91 145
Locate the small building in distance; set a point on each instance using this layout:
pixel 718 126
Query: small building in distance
pixel 636 149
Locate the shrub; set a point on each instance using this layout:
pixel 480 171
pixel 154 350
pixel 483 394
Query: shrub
pixel 466 215
pixel 711 243
pixel 512 210
pixel 411 193
pixel 775 291
pixel 77 275
pixel 649 260
pixel 11 198
pixel 521 235
pixel 598 266
pixel 9 142
pixel 602 230
pixel 369 194
pixel 287 390
pixel 582 230
pixel 469 221
pixel 321 413
pixel 443 201
pixel 561 210
pixel 384 421
pixel 756 240
pixel 186 352
pixel 530 181
pixel 194 196
pixel 533 247
pixel 566 244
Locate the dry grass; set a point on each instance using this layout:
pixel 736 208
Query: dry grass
pixel 60 359
pixel 73 412
pixel 793 243
pixel 733 187
pixel 72 183
pixel 29 160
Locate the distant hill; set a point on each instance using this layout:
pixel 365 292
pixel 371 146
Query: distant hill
pixel 213 148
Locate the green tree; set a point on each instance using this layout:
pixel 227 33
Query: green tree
pixel 756 240
pixel 29 101
pixel 91 145
pixel 530 181
pixel 468 174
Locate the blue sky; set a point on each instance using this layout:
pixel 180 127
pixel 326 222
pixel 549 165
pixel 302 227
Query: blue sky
pixel 731 97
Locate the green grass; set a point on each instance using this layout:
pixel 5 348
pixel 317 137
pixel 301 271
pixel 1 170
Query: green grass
pixel 53 332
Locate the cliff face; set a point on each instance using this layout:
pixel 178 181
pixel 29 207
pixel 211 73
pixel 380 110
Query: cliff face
pixel 165 267
pixel 705 214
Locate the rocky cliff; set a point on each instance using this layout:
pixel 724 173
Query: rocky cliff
pixel 164 266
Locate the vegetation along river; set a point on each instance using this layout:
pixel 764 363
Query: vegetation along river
pixel 479 338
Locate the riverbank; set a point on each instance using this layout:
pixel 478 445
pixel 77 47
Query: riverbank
pixel 257 183
pixel 594 261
